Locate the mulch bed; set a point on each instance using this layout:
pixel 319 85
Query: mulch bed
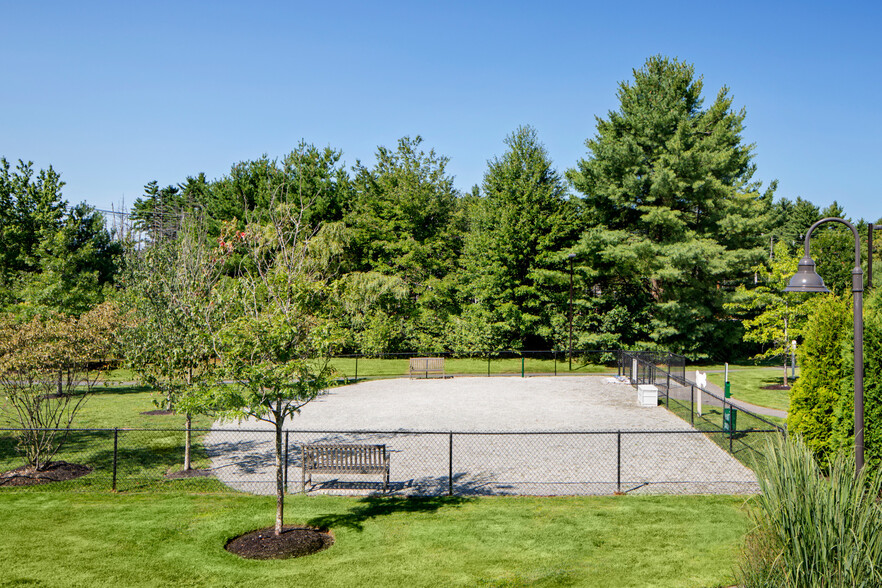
pixel 158 412
pixel 293 542
pixel 776 387
pixel 56 471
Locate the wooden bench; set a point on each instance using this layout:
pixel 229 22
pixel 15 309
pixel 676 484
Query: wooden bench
pixel 344 459
pixel 426 366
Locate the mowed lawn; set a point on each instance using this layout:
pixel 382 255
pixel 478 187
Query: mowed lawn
pixel 749 384
pixel 105 539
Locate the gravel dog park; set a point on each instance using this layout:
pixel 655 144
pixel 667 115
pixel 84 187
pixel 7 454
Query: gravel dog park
pixel 540 451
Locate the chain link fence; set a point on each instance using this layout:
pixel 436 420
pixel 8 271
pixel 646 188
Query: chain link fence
pixel 741 432
pixel 713 453
pixel 420 463
pixel 360 366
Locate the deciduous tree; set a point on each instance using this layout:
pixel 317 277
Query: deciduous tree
pixel 272 332
pixel 45 374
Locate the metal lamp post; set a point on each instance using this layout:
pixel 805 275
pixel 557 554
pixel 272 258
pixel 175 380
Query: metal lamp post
pixel 571 256
pixel 807 279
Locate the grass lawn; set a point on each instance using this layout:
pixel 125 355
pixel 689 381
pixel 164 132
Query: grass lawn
pixel 145 456
pixel 105 539
pixel 747 385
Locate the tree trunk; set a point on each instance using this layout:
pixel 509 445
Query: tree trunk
pixel 189 421
pixel 280 482
pixel 187 443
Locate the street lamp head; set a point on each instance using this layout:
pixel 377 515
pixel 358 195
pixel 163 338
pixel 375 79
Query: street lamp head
pixel 806 279
pixel 571 255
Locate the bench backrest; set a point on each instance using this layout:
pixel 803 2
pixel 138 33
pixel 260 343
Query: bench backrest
pixel 343 455
pixel 422 364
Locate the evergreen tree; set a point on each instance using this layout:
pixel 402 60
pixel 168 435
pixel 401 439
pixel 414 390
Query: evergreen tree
pixel 512 258
pixel 674 221
pixel 791 221
pixel 54 258
pixel 815 397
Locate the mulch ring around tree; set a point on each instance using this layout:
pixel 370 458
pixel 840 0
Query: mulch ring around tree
pixel 293 542
pixel 158 412
pixel 56 471
pixel 776 387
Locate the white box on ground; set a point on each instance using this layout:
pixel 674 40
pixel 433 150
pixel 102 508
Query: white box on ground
pixel 647 395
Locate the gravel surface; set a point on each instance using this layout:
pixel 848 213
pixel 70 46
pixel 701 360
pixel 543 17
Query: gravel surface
pixel 569 444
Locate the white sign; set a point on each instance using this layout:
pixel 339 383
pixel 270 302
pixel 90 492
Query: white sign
pixel 701 381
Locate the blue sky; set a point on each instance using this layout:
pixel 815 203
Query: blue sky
pixel 116 94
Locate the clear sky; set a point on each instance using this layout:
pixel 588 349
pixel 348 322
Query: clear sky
pixel 116 94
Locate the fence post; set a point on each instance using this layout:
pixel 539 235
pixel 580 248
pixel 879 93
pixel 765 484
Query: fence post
pixel 522 366
pixel 450 467
pixel 488 364
pixel 668 391
pixel 619 461
pixel 115 457
pixel 356 367
pixel 692 404
pixel 285 477
pixel 555 363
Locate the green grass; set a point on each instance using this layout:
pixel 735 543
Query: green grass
pixel 384 367
pixel 122 406
pixel 747 385
pixel 118 375
pixel 102 539
pixel 144 457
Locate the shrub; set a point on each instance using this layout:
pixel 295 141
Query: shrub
pixel 815 396
pixel 844 415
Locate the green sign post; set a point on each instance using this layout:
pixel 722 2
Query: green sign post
pixel 729 413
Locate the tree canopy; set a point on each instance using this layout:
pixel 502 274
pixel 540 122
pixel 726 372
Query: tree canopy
pixel 672 216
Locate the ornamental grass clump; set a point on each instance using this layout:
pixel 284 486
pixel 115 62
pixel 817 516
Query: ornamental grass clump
pixel 813 530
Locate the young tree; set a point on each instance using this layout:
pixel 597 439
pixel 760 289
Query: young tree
pixel 816 395
pixel 517 229
pixel 773 318
pixel 273 334
pixel 166 289
pixel 45 375
pixel 673 218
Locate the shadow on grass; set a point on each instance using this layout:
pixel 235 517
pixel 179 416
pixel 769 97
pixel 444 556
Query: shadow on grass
pixel 372 507
pixel 114 389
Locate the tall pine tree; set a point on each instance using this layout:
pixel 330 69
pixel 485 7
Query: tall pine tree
pixel 512 256
pixel 674 221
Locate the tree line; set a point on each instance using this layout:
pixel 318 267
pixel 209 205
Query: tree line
pixel 661 227
pixel 259 276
